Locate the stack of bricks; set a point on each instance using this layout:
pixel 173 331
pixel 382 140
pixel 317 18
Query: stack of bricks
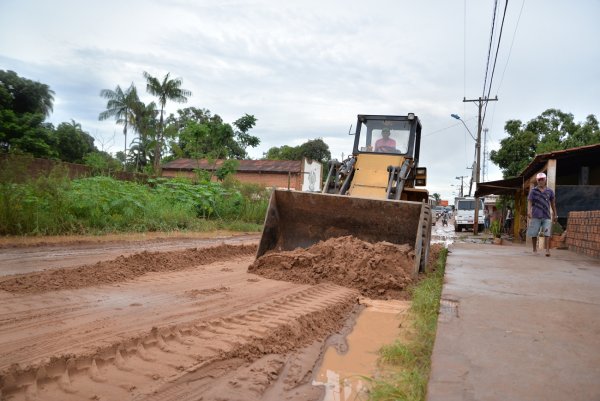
pixel 583 232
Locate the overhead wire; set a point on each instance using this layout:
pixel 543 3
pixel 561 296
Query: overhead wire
pixel 487 66
pixel 507 60
pixel 448 127
pixel 495 60
pixel 511 47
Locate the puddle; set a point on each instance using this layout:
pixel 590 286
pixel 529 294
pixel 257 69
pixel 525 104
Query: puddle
pixel 443 234
pixel 377 325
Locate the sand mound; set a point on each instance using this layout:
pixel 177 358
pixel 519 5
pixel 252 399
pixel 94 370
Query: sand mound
pixel 121 269
pixel 380 271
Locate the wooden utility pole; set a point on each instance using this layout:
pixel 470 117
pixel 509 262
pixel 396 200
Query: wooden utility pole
pixel 480 102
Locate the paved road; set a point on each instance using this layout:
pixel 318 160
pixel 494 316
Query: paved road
pixel 514 326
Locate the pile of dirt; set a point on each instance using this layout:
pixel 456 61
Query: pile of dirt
pixel 378 271
pixel 121 269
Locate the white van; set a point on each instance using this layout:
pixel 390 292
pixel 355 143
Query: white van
pixel 464 213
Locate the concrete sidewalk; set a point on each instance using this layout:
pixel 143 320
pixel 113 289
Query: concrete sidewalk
pixel 514 326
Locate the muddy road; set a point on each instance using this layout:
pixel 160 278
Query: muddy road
pixel 179 324
pixel 26 255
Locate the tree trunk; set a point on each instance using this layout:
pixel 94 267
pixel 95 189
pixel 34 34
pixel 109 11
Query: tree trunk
pixel 157 147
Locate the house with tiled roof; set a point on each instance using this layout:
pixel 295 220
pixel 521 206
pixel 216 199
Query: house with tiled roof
pixel 301 175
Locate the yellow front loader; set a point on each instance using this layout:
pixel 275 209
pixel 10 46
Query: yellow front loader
pixel 372 195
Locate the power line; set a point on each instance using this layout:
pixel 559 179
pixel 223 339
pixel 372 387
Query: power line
pixel 511 47
pixel 448 127
pixel 507 60
pixel 495 58
pixel 487 66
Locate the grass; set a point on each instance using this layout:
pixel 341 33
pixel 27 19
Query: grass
pixel 409 363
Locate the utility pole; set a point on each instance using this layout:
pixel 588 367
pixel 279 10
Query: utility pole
pixel 485 154
pixel 480 102
pixel 461 184
pixel 472 168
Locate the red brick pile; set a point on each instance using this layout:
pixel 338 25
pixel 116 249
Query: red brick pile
pixel 583 232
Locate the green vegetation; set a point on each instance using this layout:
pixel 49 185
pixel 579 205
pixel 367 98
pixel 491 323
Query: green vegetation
pixel 551 130
pixel 496 229
pixel 53 204
pixel 24 106
pixel 314 149
pixel 557 229
pixel 411 361
pixel 192 132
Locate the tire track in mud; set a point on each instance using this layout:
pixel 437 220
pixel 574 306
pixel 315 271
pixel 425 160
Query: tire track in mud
pixel 92 315
pixel 238 355
pixel 120 269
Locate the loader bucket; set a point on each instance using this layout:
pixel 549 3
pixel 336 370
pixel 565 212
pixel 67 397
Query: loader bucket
pixel 301 219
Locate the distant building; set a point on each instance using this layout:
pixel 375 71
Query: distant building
pixel 300 175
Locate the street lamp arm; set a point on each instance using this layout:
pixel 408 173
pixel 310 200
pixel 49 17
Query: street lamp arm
pixel 461 120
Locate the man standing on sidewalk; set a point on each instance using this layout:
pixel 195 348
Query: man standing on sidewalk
pixel 540 200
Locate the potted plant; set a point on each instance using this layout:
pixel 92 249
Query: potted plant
pixel 496 231
pixel 558 236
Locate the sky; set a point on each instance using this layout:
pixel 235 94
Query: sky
pixel 305 69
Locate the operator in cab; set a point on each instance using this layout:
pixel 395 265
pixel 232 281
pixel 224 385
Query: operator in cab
pixel 385 143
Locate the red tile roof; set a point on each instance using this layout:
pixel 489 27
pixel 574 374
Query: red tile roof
pixel 263 166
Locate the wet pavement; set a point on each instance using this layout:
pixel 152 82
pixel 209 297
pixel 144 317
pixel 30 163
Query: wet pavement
pixel 517 326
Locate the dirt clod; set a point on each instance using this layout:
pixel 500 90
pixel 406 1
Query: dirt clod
pixel 381 270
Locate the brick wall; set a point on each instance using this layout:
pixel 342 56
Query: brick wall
pixel 278 180
pixel 583 232
pixel 24 168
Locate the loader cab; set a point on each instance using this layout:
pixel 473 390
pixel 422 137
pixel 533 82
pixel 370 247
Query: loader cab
pixel 393 135
pixel 385 159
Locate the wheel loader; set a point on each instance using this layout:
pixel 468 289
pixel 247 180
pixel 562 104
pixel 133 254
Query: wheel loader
pixel 372 195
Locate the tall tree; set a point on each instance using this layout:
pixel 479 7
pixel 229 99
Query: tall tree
pixel 167 89
pixel 551 130
pixel 203 135
pixel 145 124
pixel 120 104
pixel 315 149
pixel 72 143
pixel 242 138
pixel 24 104
pixel 25 96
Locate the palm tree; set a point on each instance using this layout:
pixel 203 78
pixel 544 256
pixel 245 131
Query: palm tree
pixel 144 122
pixel 119 106
pixel 168 89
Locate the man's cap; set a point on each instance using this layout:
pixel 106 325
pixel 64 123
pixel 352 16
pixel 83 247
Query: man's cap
pixel 540 176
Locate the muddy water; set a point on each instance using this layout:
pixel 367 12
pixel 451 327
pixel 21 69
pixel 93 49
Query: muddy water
pixel 377 325
pixel 441 234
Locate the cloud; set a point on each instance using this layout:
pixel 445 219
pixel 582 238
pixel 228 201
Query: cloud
pixel 306 69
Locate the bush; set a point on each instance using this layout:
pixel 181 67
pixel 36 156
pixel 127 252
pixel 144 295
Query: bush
pixel 55 205
pixel 496 229
pixel 557 229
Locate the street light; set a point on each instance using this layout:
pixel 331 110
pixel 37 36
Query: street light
pixel 461 120
pixel 476 166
